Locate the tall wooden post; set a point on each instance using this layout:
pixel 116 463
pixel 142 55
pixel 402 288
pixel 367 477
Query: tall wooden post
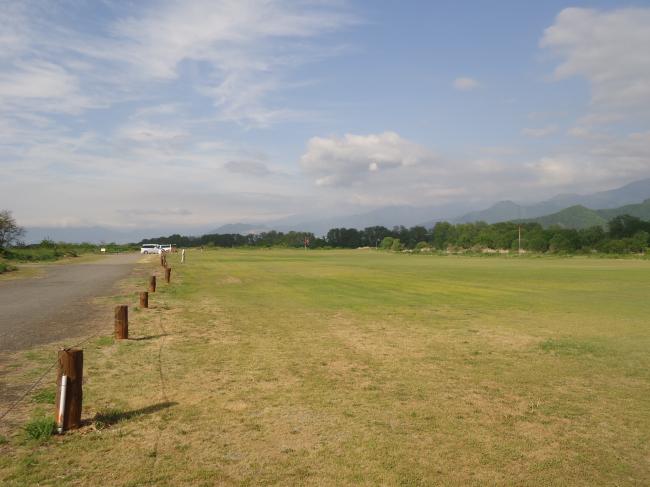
pixel 122 322
pixel 70 364
pixel 152 284
pixel 168 274
pixel 144 299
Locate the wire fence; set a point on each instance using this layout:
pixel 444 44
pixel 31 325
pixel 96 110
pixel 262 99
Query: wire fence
pixel 163 391
pixel 40 379
pixel 20 399
pixel 12 407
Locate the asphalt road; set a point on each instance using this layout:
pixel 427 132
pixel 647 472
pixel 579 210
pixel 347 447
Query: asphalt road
pixel 57 306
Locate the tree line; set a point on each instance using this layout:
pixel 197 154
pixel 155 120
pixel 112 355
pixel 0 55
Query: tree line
pixel 624 234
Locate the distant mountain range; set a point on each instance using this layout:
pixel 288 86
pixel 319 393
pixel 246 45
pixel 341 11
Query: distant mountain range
pixel 241 228
pixel 570 210
pixel 579 216
pixel 99 234
pixel 389 216
pixel 508 210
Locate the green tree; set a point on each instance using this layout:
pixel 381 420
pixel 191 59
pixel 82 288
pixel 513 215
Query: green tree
pixel 564 241
pixel 386 243
pixel 640 241
pixel 443 235
pixel 625 226
pixel 10 231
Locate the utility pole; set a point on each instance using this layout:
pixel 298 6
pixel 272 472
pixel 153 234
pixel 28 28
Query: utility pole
pixel 519 239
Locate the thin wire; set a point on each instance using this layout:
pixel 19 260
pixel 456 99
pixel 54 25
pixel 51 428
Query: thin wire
pixel 49 369
pixel 163 392
pixel 30 389
pixel 40 379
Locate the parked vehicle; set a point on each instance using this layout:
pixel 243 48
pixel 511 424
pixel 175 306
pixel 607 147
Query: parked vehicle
pixel 166 247
pixel 150 249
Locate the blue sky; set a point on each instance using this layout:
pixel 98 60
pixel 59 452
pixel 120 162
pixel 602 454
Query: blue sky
pixel 208 112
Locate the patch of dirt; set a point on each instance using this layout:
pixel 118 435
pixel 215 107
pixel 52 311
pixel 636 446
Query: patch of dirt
pixel 231 280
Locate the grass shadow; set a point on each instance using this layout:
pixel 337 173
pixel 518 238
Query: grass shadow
pixel 109 417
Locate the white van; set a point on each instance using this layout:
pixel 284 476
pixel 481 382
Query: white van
pixel 150 249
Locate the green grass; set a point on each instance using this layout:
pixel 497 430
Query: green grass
pixel 40 428
pixel 45 396
pixel 271 367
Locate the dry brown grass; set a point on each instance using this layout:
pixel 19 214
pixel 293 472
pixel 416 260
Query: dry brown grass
pixel 250 370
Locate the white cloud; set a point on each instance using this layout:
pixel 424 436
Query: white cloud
pixel 465 84
pixel 341 161
pixel 605 161
pixel 41 86
pixel 147 133
pixel 609 49
pixel 539 132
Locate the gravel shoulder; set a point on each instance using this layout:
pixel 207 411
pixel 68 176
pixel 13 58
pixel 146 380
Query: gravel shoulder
pixel 56 304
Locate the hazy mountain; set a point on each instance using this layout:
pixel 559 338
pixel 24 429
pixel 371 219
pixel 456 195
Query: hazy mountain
pixel 581 217
pixel 388 217
pixel 640 210
pixel 508 210
pixel 98 234
pixel 241 228
pixel 576 216
pixel 501 211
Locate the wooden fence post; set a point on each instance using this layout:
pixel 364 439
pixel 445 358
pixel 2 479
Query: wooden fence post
pixel 122 322
pixel 168 274
pixel 144 299
pixel 70 365
pixel 152 284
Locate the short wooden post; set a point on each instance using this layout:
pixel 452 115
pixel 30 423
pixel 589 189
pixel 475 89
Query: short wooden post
pixel 152 284
pixel 122 322
pixel 168 274
pixel 70 365
pixel 144 299
pixel 162 259
pixel 183 256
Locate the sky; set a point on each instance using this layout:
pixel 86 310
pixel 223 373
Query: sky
pixel 138 113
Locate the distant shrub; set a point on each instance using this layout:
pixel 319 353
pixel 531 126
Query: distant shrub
pixel 386 243
pixel 49 250
pixel 32 254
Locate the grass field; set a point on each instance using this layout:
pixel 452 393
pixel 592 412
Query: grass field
pixel 362 368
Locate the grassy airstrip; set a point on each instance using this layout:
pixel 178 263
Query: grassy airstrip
pixel 288 367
